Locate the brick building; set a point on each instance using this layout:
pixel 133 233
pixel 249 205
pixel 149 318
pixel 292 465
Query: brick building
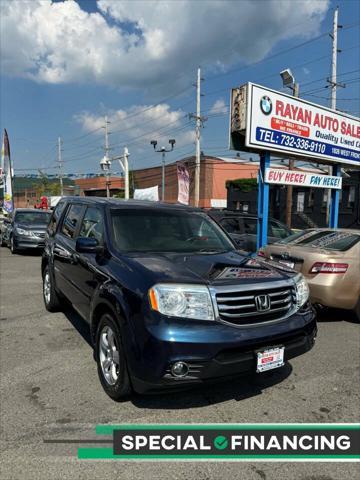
pixel 26 191
pixel 96 186
pixel 214 172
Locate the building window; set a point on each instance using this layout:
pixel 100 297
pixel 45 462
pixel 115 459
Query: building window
pixel 325 196
pixel 300 202
pixel 311 198
pixel 351 198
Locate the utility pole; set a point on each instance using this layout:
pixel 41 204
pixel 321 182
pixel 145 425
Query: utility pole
pixel 197 139
pixel 60 167
pixel 198 124
pixel 333 85
pixel 289 191
pixel 105 162
pixel 125 166
pixel 126 172
pixel 332 82
pixel 289 82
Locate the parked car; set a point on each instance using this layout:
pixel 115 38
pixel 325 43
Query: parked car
pixel 329 260
pixel 3 221
pixel 5 230
pixel 169 300
pixel 26 229
pixel 242 228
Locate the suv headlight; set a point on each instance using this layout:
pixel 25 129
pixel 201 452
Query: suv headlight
pixel 302 290
pixel 181 300
pixel 21 231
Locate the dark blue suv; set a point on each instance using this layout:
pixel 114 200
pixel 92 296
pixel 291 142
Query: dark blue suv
pixel 169 300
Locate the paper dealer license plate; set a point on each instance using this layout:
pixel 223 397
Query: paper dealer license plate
pixel 269 359
pixel 287 264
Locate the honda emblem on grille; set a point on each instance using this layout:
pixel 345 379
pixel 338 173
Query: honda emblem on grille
pixel 262 303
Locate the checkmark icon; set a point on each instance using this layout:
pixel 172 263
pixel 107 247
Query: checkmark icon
pixel 221 442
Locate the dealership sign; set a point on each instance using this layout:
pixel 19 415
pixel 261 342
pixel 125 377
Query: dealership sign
pixel 273 121
pixel 303 179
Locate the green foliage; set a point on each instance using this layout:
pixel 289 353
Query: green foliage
pixel 47 187
pixel 131 188
pixel 243 184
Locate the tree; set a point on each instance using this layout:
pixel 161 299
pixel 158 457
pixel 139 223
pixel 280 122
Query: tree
pixel 45 187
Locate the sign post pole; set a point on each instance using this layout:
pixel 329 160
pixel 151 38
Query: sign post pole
pixel 334 203
pixel 263 201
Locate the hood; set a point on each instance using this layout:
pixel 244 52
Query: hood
pixel 32 226
pixel 215 269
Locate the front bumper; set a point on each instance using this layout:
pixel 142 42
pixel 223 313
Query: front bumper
pixel 24 242
pixel 217 351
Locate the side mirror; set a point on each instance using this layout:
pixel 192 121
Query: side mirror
pixel 88 245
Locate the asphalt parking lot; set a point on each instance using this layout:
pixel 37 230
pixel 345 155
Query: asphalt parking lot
pixel 50 390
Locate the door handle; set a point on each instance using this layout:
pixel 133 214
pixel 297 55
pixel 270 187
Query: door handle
pixel 65 254
pixel 61 251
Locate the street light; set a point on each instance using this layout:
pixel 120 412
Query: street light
pixel 163 150
pixel 105 165
pixel 288 80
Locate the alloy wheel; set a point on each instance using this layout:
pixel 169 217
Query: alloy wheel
pixel 109 355
pixel 47 287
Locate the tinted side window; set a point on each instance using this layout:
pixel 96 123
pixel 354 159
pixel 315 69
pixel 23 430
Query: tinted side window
pixel 93 225
pixel 71 220
pixel 231 225
pixel 55 218
pixel 277 230
pixel 250 225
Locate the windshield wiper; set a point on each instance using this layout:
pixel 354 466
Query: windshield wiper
pixel 211 250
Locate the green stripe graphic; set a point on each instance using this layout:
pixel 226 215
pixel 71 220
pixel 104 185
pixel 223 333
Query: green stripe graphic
pixel 97 453
pixel 108 429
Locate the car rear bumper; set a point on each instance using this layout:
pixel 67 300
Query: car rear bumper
pixel 331 291
pixel 209 361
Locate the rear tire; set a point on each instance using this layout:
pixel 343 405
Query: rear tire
pixel 51 298
pixel 357 311
pixel 111 360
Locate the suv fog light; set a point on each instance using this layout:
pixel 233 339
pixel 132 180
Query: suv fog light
pixel 179 369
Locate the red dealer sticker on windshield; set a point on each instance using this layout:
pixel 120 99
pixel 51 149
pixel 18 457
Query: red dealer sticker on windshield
pixel 289 127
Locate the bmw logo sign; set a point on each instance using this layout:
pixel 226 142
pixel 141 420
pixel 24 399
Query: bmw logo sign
pixel 266 105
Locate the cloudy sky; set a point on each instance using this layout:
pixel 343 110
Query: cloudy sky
pixel 67 64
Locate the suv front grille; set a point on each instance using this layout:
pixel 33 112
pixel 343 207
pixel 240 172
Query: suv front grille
pixel 39 234
pixel 242 307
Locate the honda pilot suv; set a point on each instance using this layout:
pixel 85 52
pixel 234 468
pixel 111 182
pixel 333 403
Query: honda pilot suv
pixel 169 300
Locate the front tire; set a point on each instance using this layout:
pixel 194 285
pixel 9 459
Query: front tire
pixel 51 298
pixel 13 248
pixel 111 360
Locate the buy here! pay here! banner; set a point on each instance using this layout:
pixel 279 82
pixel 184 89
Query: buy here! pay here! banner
pixel 306 179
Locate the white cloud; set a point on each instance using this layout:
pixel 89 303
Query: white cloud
pixel 219 107
pixel 306 71
pixel 143 43
pixel 140 124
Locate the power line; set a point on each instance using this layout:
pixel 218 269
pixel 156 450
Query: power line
pixel 140 112
pixel 74 139
pixel 270 57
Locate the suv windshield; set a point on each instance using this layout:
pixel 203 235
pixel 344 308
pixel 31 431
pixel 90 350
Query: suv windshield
pixel 33 217
pixel 167 231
